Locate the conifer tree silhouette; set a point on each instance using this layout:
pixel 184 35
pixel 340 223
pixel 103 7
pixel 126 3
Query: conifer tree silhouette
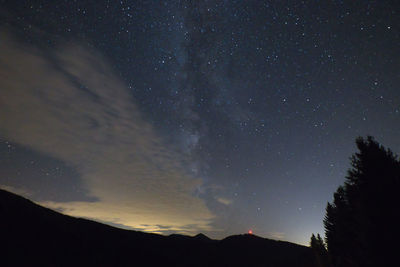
pixel 321 254
pixel 361 227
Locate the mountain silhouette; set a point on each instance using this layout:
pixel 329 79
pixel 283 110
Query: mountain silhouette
pixel 203 238
pixel 32 235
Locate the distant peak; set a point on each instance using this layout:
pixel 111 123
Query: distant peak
pixel 245 236
pixel 201 236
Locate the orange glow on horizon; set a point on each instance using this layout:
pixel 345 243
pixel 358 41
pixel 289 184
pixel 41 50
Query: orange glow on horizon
pixel 250 232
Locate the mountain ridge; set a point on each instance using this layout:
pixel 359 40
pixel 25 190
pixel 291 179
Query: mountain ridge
pixel 33 235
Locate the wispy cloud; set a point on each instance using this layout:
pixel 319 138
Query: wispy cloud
pixel 224 201
pixel 277 235
pixel 69 104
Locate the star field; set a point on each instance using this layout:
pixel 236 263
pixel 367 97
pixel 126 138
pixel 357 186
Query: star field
pixel 257 102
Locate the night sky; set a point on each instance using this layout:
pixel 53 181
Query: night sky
pixel 194 116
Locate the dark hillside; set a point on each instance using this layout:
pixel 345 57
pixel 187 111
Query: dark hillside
pixel 32 235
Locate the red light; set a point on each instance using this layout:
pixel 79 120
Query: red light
pixel 250 232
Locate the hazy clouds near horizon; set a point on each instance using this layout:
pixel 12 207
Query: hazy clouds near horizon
pixel 68 104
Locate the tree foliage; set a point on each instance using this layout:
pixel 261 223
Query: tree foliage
pixel 321 254
pixel 361 226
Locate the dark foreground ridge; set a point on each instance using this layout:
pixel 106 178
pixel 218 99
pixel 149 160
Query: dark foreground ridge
pixel 32 235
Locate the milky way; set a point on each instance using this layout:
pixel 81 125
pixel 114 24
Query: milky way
pixel 189 116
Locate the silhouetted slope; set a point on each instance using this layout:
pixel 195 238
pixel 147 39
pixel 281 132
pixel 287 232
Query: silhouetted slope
pixel 247 250
pixel 32 235
pixel 203 238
